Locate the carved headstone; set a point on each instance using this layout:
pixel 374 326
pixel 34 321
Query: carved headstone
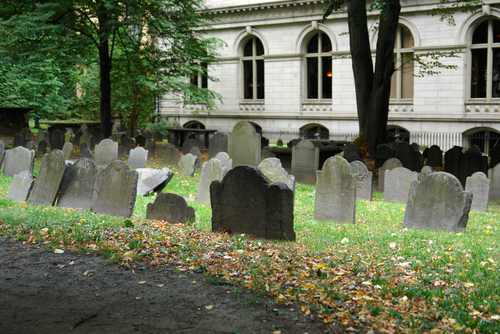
pixel 77 186
pixel 56 140
pixel 153 180
pixel 408 157
pixel 189 144
pixel 452 160
pixel 272 169
pixel 105 152
pixel 48 179
pixel 138 157
pixel 187 165
pixel 17 160
pixel 434 156
pixel 388 165
pixel 225 159
pixel 171 208
pixel 364 181
pixel 42 148
pixel 479 185
pixel 212 170
pixel 397 184
pixel 244 145
pixel 218 143
pixel 305 162
pixel 470 162
pixel 20 187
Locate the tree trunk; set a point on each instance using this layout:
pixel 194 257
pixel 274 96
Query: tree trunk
pixel 105 73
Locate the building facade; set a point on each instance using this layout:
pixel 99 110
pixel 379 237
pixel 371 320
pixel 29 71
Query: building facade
pixel 290 74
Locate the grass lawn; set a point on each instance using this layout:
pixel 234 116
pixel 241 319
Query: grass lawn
pixel 367 275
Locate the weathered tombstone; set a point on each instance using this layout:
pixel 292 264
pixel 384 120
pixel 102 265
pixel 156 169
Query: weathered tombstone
pixel 67 136
pixel 30 145
pixel 17 160
pixel 153 180
pixel 56 140
pixel 384 153
pixel 246 201
pixel 138 157
pixel 218 143
pixel 2 152
pixel 388 165
pixel 434 156
pixel 364 181
pixel 452 160
pixel 77 186
pixel 416 147
pixel 140 140
pixel 195 150
pixel 48 179
pixel 267 153
pixel 225 159
pixel 189 144
pixel 494 177
pixel 18 140
pixel 479 185
pixel 408 157
pixel 87 139
pixel 105 152
pixel 123 139
pixel 352 158
pixel 305 162
pixel 244 145
pixel 157 137
pixel 150 147
pixel 438 203
pixel 20 187
pixel 86 153
pixel 171 208
pixel 272 169
pixel 187 165
pixel 263 142
pixel 42 147
pixel 351 149
pixel 39 137
pixel 335 192
pixel 27 134
pixel 67 148
pixel 212 170
pixel 171 156
pixel 115 190
pixel 426 171
pixel 293 142
pixel 397 184
pixel 279 142
pixel 121 152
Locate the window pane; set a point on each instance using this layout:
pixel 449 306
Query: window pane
pixel 260 78
pixel 327 77
pixel 312 78
pixel 204 82
pixel 496 74
pixel 194 80
pixel 247 79
pixel 312 47
pixel 327 44
pixel 407 78
pixel 481 34
pixel 478 73
pixel 394 80
pixel 260 47
pixel 496 31
pixel 247 51
pixel 406 38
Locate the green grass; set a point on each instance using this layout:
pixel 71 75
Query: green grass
pixel 370 274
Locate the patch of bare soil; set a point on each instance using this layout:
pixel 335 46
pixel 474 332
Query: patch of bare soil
pixel 44 292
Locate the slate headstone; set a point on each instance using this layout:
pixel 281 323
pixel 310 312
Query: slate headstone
pixel 212 170
pixel 364 181
pixel 2 152
pixel 17 160
pixel 263 142
pixel 77 186
pixel 218 143
pixel 195 150
pixel 48 179
pixel 27 134
pixel 494 177
pixel 189 144
pixel 56 140
pixel 138 157
pixel 351 149
pixel 479 185
pixel 105 152
pixel 140 140
pixel 171 156
pixel 470 162
pixel 171 208
pixel 438 203
pixel 397 184
pixel 150 147
pixel 157 137
pixel 115 190
pixel 267 152
pixel 434 156
pixel 305 162
pixel 452 160
pixel 18 140
pixel 225 159
pixel 244 145
pixel 39 137
pixel 408 157
pixel 279 142
pixel 20 187
pixel 153 180
pixel 30 145
pixel 67 149
pixel 187 165
pixel 384 153
pixel 273 170
pixel 246 201
pixel 388 165
pixel 42 148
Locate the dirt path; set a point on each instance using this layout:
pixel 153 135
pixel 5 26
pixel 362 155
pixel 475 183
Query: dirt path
pixel 44 292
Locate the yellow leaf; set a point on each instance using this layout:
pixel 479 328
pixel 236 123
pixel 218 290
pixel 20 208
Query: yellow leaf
pixel 280 298
pixel 495 317
pixel 277 332
pixel 194 282
pixel 85 273
pixel 321 265
pixel 209 307
pixel 160 285
pixel 58 251
pixel 459 234
pixel 491 260
pixel 468 285
pixel 24 203
pixel 142 282
pixel 308 286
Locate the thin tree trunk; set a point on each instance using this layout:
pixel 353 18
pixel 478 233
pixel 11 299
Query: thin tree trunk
pixel 105 69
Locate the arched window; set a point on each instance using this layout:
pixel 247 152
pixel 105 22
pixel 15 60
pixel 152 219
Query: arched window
pixel 253 69
pixel 402 79
pixel 485 61
pixel 319 67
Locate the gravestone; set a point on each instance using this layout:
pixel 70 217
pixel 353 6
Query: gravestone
pixel 293 142
pixel 39 137
pixel 452 160
pixel 246 201
pixel 364 181
pixel 18 140
pixel 388 165
pixel 42 148
pixel 397 184
pixel 27 134
pixel 2 152
pixel 272 169
pixel 150 147
pixel 305 162
pixel 121 152
pixel 56 140
pixel 335 192
pixel 140 141
pixel 77 138
pixel 87 140
pixel 17 160
pixel 105 152
pixel 157 137
pixel 67 149
pixel 244 145
pixel 351 149
pixel 479 185
pixel 138 157
pixel 48 179
pixel 267 153
pixel 470 162
pixel 195 150
pixel 352 158
pixel 263 142
pixel 434 156
pixel 416 147
pixel 438 203
pixel 171 208
pixel 171 156
pixel 148 135
pixel 30 145
pixel 384 153
pixel 67 136
pixel 97 139
pixel 77 186
pixel 115 190
pixel 86 153
pixel 225 159
pixel 408 157
pixel 189 144
pixel 212 170
pixel 187 165
pixel 153 180
pixel 426 171
pixel 46 137
pixel 279 142
pixel 20 187
pixel 494 177
pixel 129 147
pixel 84 127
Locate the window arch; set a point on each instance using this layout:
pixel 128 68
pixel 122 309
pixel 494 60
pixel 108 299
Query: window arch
pixel 402 78
pixel 319 67
pixel 253 69
pixel 485 60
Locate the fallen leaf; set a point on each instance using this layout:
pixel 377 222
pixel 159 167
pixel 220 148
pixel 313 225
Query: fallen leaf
pixel 58 251
pixel 495 317
pixel 468 285
pixel 209 307
pixel 277 332
pixel 160 285
pixel 61 266
pixel 72 263
pixel 46 242
pixel 345 240
pixel 392 245
pixel 350 329
pixel 142 282
pixel 85 273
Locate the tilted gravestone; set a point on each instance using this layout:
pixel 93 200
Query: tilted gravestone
pixel 195 150
pixel 48 179
pixel 67 149
pixel 438 203
pixel 305 162
pixel 494 177
pixel 246 201
pixel 267 152
pixel 397 184
pixel 189 144
pixel 244 145
pixel 335 192
pixel 171 156
pixel 426 171
pixel 105 152
pixel 272 169
pixel 138 157
pixel 388 165
pixel 479 185
pixel 218 143
pixel 153 180
pixel 67 136
pixel 115 190
pixel 17 160
pixel 212 170
pixel 171 208
pixel 384 153
pixel 56 140
pixel 364 181
pixel 434 156
pixel 187 165
pixel 20 187
pixel 77 186
pixel 2 152
pixel 225 159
